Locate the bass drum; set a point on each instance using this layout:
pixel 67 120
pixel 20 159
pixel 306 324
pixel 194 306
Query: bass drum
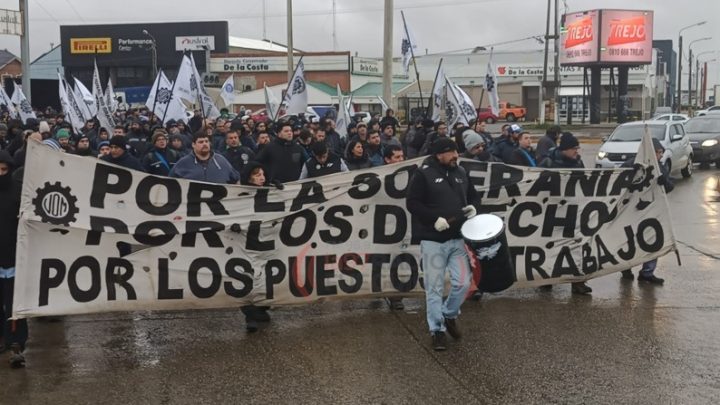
pixel 484 234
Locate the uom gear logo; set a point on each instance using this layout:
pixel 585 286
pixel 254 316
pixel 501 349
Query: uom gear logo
pixel 55 204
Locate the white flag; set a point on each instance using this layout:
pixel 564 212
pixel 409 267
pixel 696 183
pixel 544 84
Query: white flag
pixel 186 84
pixel 104 114
pixel 22 104
pixel 296 97
pixel 408 42
pixel 208 104
pixel 83 94
pixel 272 105
pixel 342 115
pixel 162 102
pixel 466 103
pixel 5 100
pixel 491 88
pixel 437 94
pixel 110 99
pixel 458 105
pixel 227 92
pixel 72 111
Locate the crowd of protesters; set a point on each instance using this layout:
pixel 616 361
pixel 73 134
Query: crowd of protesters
pixel 237 150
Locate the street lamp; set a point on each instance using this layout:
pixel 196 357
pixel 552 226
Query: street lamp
pixel 153 48
pixel 679 81
pixel 690 59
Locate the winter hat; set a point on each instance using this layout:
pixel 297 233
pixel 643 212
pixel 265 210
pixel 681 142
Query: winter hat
pixel 3 127
pixel 103 143
pixel 62 133
pixel 53 144
pixel 568 141
pixel 472 139
pixel 442 145
pixel 158 134
pixel 43 127
pixel 118 141
pixel 6 158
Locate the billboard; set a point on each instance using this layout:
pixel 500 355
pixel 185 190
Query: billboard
pixel 626 36
pixel 579 39
pixel 606 37
pixel 127 46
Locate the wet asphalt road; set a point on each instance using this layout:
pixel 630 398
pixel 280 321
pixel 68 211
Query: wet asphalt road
pixel 624 344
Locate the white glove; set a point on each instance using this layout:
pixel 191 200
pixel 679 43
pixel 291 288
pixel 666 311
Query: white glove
pixel 441 224
pixel 469 211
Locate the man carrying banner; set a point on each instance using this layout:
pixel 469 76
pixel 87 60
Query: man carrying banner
pixel 440 198
pixel 14 332
pixel 566 156
pixel 647 272
pixel 203 164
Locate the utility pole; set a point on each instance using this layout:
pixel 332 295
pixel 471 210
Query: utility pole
pixel 679 79
pixel 291 68
pixel 543 87
pixel 556 79
pixel 334 26
pixel 264 21
pixel 387 53
pixel 25 50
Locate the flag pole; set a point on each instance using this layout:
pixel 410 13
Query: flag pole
pixel 288 87
pixel 412 55
pixel 432 96
pixel 157 87
pixel 172 93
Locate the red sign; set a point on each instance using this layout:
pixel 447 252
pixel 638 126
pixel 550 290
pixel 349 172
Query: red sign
pixel 579 32
pixel 627 31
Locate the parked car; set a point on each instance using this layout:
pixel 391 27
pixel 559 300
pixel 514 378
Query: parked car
pixel 486 114
pixel 624 142
pixel 511 112
pixel 700 113
pixel 704 133
pixel 671 117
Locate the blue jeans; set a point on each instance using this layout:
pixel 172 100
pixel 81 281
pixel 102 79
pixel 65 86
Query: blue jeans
pixel 437 259
pixel 648 268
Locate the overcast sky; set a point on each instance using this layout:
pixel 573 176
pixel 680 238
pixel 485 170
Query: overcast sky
pixel 439 25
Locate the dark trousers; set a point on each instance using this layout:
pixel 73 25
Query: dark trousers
pixel 14 331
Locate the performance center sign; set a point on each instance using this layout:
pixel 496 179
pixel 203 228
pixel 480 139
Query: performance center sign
pixel 95 237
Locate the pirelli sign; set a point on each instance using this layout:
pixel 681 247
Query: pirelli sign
pixel 90 45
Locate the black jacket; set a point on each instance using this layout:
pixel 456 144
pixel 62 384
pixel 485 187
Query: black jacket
pixel 544 145
pixel 9 210
pixel 520 157
pixel 438 191
pixel 556 160
pixel 332 165
pixel 153 164
pixel 354 163
pixel 283 160
pixel 503 149
pixel 126 160
pixel 238 156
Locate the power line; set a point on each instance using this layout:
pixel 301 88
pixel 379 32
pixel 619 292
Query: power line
pixel 75 10
pixel 46 11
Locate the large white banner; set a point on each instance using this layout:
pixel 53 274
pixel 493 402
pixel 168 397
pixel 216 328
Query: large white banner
pixel 95 237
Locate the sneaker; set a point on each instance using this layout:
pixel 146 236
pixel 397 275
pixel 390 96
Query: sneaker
pixel 650 279
pixel 476 296
pixel 439 341
pixel 452 328
pixel 395 303
pixel 17 360
pixel 260 314
pixel 581 288
pixel 628 275
pixel 251 325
